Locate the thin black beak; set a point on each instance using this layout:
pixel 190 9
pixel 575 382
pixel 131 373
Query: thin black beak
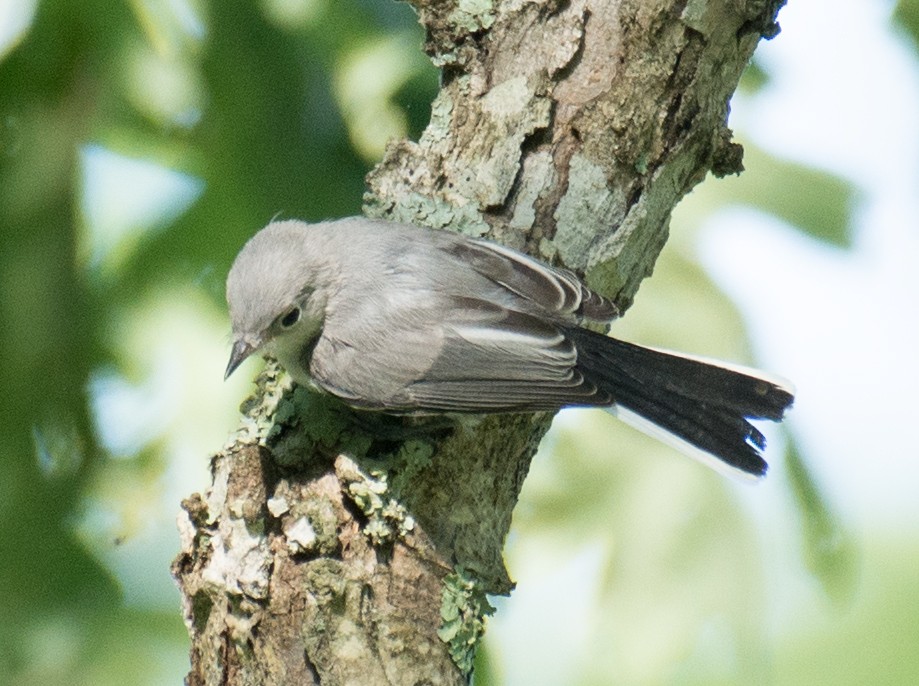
pixel 241 350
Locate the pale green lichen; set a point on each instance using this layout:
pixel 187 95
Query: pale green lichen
pixel 469 16
pixel 588 208
pixel 261 408
pixel 510 111
pixel 413 457
pixel 438 127
pixel 706 17
pixel 539 174
pixel 509 98
pixel 619 260
pixel 387 519
pixel 293 420
pixel 444 59
pixel 427 210
pixel 463 609
pixel 305 420
pixel 641 164
pixel 548 250
pixel 473 15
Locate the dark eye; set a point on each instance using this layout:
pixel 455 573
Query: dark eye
pixel 291 318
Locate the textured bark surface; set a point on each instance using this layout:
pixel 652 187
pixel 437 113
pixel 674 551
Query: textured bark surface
pixel 329 552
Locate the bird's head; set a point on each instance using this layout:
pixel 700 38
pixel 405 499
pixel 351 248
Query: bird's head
pixel 272 296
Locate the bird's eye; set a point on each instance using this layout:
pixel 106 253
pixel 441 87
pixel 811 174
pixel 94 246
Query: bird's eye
pixel 291 318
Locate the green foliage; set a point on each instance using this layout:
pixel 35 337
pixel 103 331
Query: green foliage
pixel 827 546
pixel 236 96
pixel 907 15
pixel 815 202
pixel 754 78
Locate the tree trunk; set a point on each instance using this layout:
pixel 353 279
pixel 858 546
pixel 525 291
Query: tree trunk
pixel 327 552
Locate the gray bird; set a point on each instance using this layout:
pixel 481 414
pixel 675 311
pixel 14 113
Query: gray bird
pixel 407 320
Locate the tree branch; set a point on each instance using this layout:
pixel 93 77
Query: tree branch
pixel 329 553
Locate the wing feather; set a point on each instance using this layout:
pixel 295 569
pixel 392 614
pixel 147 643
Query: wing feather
pixel 557 291
pixel 503 361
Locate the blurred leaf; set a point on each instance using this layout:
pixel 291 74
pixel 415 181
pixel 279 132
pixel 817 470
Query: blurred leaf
pixel 870 641
pixel 366 83
pixel 123 646
pixel 816 202
pixel 485 672
pixel 754 78
pixel 46 341
pixel 829 552
pixel 210 89
pixel 15 21
pixel 415 97
pixel 906 14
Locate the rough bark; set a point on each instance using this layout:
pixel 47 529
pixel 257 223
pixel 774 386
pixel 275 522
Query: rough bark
pixel 328 552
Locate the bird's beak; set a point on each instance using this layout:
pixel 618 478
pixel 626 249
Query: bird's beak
pixel 241 350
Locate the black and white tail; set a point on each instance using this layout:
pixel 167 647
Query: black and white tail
pixel 701 407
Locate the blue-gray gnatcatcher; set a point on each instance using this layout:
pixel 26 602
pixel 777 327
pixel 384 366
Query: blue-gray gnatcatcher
pixel 402 319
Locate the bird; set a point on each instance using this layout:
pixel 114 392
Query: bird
pixel 407 320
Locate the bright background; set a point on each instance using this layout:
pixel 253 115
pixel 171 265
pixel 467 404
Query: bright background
pixel 142 142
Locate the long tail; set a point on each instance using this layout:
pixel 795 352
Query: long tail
pixel 699 406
